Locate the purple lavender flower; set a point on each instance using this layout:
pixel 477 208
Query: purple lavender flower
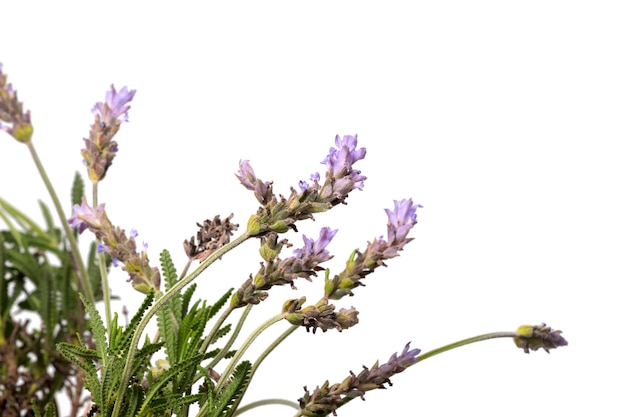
pixel 326 399
pixel 262 190
pixel 85 216
pixel 314 251
pixel 341 178
pixel 114 106
pixel 401 219
pixel 100 148
pixel 275 271
pixel 342 158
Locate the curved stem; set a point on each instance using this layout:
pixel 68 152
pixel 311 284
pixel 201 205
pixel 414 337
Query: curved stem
pixel 81 271
pixel 232 338
pixel 238 355
pixel 442 349
pixel 256 365
pixel 463 342
pixel 269 401
pixel 244 347
pixel 160 302
pixel 103 269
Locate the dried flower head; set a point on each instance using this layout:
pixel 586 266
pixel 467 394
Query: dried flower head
pixel 213 234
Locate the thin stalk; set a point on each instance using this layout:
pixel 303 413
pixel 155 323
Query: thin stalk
pixel 103 270
pixel 238 355
pixel 83 278
pixel 231 340
pixel 160 302
pixel 463 342
pixel 256 365
pixel 268 401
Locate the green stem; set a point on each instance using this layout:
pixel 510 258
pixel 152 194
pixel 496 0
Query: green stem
pixel 244 347
pixel 103 270
pixel 269 401
pixel 160 302
pixel 463 342
pixel 435 352
pixel 81 271
pixel 237 357
pixel 256 365
pixel 231 340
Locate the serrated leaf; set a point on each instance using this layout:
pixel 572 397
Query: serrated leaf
pixel 173 402
pixel 124 340
pixel 234 388
pixel 98 329
pixel 186 298
pixel 167 377
pixel 83 358
pixel 220 303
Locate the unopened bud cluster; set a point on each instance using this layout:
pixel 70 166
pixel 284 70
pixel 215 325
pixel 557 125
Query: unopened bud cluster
pixel 16 120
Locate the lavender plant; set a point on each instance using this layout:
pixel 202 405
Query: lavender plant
pixel 195 356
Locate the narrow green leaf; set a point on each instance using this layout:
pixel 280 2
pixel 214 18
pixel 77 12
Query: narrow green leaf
pixel 220 303
pixel 78 189
pixel 98 328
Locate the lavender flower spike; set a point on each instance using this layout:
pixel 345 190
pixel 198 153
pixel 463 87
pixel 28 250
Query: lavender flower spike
pixel 115 105
pixel 341 178
pixel 326 399
pixel 100 148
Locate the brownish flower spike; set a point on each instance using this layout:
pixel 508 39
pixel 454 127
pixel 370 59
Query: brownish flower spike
pixel 213 234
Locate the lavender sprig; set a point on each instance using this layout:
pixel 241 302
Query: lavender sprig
pixel 326 399
pixel 401 219
pixel 304 263
pixel 100 148
pixel 114 241
pixel 279 214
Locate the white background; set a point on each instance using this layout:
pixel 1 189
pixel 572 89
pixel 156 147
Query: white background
pixel 504 119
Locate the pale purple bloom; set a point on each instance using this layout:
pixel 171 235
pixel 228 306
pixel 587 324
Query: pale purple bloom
pixel 397 364
pixel 401 219
pixel 340 160
pixel 314 251
pixel 102 247
pixel 262 190
pixel 246 175
pixel 115 105
pixel 84 216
